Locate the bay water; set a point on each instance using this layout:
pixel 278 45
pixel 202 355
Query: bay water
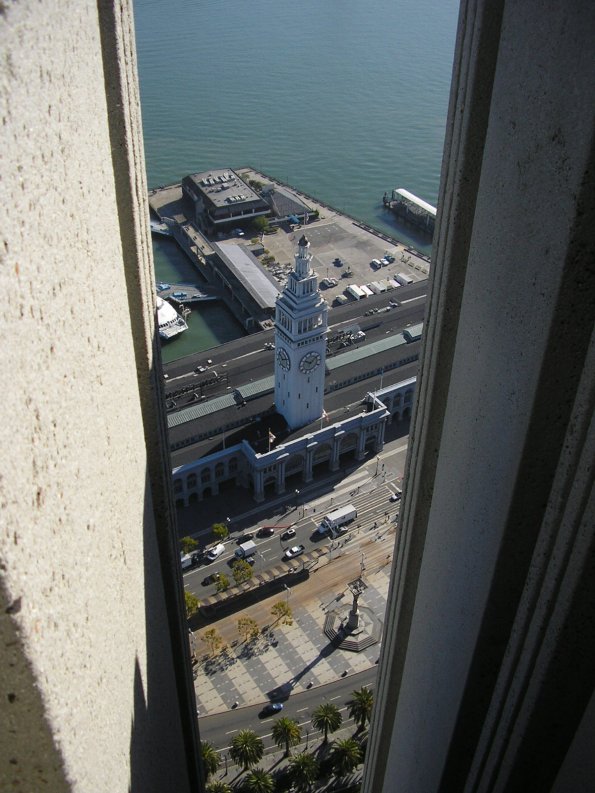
pixel 345 100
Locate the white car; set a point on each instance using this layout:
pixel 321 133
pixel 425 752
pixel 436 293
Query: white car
pixel 215 552
pixel 291 553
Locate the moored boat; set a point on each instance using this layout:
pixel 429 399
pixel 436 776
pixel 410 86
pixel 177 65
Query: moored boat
pixel 169 321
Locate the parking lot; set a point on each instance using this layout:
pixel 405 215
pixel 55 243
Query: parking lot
pixel 343 251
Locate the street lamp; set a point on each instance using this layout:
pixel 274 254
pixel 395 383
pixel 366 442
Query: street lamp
pixel 297 495
pixel 288 590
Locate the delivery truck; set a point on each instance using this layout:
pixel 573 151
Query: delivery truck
pixel 334 520
pixel 246 549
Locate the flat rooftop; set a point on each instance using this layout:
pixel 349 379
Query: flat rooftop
pixel 224 187
pixel 261 286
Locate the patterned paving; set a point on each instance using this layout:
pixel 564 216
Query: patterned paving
pixel 289 658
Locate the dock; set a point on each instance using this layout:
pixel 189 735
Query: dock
pixel 411 209
pixel 188 293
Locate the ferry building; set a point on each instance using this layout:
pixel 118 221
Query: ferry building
pixel 302 377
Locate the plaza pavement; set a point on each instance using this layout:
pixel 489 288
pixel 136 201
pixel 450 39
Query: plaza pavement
pixel 285 658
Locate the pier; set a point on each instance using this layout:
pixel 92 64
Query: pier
pixel 247 267
pixel 188 293
pixel 411 209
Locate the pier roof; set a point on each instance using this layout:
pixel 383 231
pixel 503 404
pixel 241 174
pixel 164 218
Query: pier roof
pixel 223 187
pixel 247 269
pixel 419 202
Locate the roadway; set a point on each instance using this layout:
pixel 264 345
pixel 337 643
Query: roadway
pixel 220 728
pixel 369 489
pixel 244 360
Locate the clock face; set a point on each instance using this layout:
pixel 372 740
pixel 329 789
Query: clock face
pixel 309 362
pixel 283 359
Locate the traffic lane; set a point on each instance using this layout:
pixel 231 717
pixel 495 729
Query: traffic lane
pixel 220 728
pixel 371 497
pixel 372 507
pixel 253 346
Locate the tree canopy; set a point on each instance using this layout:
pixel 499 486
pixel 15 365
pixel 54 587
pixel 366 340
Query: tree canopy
pixel 360 706
pixel 220 531
pixel 327 718
pixel 258 781
pixel 346 756
pixel 241 570
pixel 192 603
pixel 282 612
pixel 286 731
pixel 217 786
pixel 188 544
pixel 210 758
pixel 248 628
pixel 213 639
pixel 246 748
pixel 303 769
pixel 222 583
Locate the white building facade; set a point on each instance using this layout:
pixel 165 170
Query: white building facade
pixel 301 324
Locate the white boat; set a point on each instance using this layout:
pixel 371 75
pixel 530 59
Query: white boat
pixel 169 321
pixel 160 228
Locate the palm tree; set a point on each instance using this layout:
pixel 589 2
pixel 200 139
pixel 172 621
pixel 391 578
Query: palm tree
pixel 346 756
pixel 210 758
pixel 258 781
pixel 327 718
pixel 246 749
pixel 303 769
pixel 286 731
pixel 218 787
pixel 360 706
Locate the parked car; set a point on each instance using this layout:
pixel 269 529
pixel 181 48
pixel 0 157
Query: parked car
pixel 211 579
pixel 287 535
pixel 265 531
pixel 271 708
pixel 396 496
pixel 244 537
pixel 215 552
pixel 296 550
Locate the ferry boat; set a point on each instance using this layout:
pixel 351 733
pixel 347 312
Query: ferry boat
pixel 160 228
pixel 169 321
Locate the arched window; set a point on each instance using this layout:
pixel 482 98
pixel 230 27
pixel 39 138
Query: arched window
pixel 205 475
pixel 191 481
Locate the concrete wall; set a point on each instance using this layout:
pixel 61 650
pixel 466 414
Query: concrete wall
pixel 94 665
pixel 486 676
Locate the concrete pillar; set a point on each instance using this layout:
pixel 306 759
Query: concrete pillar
pixel 85 708
pixel 335 455
pixel 486 673
pixel 259 486
pixel 308 463
pixel 280 473
pixel 361 443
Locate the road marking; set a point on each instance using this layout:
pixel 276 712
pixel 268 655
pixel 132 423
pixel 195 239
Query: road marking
pixel 301 709
pixel 333 698
pixel 230 732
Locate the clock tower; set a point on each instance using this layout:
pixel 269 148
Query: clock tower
pixel 301 323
